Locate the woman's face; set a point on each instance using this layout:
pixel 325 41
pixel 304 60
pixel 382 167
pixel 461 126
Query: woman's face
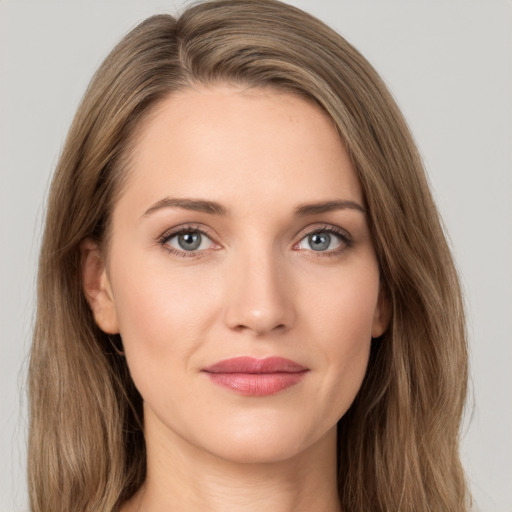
pixel 240 274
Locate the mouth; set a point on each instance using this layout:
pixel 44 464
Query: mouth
pixel 249 376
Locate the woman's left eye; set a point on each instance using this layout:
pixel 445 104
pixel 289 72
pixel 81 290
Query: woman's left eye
pixel 187 241
pixel 324 240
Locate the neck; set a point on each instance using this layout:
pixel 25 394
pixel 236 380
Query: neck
pixel 182 477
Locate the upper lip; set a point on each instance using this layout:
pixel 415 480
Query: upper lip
pixel 253 365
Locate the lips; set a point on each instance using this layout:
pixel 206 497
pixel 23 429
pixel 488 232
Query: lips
pixel 256 377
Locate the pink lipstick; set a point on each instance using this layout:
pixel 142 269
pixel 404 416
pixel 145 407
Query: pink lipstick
pixel 256 377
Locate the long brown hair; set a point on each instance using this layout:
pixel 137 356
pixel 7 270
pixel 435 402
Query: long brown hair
pixel 398 443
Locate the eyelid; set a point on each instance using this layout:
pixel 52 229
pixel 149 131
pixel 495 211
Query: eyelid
pixel 184 228
pixel 329 228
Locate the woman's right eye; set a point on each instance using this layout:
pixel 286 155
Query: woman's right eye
pixel 187 242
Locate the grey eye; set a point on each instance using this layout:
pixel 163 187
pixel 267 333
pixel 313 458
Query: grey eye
pixel 324 240
pixel 319 241
pixel 189 241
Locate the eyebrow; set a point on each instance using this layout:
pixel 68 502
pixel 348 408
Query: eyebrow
pixel 327 206
pixel 198 205
pixel 214 208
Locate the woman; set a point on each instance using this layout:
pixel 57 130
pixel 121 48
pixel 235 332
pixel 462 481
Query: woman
pixel 245 296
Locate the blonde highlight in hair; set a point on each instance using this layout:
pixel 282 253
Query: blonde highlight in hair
pixel 398 443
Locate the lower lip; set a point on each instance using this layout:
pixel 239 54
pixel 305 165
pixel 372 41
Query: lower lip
pixel 257 384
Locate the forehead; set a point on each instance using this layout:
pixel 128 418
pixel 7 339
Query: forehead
pixel 235 144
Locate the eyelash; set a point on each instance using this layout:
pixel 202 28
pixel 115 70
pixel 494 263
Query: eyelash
pixel 346 240
pixel 188 228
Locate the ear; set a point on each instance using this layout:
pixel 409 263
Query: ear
pixel 97 289
pixel 382 314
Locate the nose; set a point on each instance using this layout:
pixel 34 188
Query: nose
pixel 260 295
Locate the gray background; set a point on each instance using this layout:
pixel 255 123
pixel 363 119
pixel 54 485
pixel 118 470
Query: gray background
pixel 448 63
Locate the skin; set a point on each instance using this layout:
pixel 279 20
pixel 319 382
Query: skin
pixel 255 287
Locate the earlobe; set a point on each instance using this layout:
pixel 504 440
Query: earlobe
pixel 97 289
pixel 382 315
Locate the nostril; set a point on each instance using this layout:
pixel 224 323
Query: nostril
pixel 260 329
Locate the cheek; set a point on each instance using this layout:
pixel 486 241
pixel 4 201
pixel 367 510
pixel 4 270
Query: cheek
pixel 343 309
pixel 342 320
pixel 162 318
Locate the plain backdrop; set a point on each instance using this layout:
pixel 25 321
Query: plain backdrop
pixel 449 65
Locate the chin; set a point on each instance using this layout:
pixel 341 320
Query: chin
pixel 265 442
pixel 258 452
